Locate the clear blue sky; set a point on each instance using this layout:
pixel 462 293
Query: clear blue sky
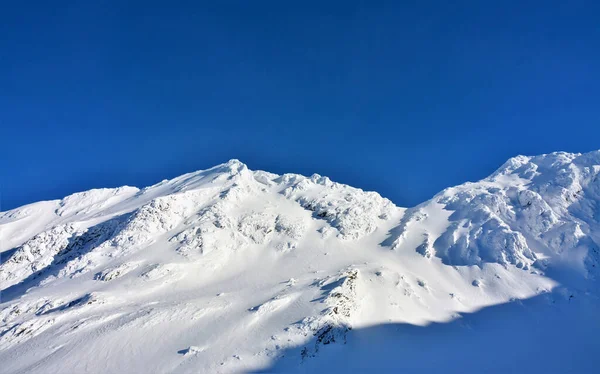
pixel 400 97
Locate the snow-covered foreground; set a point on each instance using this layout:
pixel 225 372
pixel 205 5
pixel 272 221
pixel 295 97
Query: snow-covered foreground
pixel 228 270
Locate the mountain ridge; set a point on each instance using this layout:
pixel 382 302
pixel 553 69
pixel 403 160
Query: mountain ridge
pixel 282 258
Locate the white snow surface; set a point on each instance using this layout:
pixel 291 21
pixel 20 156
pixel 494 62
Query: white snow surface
pixel 233 270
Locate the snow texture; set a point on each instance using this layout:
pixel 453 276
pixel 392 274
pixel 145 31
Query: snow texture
pixel 233 270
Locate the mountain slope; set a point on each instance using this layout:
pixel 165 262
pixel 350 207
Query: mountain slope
pixel 229 269
pixel 531 206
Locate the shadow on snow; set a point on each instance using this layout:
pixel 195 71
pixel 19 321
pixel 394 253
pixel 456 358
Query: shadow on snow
pixel 549 333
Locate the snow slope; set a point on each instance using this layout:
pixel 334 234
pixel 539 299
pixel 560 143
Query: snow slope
pixel 229 270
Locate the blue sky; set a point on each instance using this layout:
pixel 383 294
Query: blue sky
pixel 405 98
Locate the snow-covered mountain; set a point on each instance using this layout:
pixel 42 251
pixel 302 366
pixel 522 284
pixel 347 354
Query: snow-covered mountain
pixel 228 269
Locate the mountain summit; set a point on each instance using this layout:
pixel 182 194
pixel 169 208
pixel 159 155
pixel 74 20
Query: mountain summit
pixel 228 270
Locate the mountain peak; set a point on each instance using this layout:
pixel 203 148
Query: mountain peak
pixel 227 269
pixel 235 165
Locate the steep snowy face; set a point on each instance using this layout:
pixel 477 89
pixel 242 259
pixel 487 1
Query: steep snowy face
pixel 224 208
pixel 533 210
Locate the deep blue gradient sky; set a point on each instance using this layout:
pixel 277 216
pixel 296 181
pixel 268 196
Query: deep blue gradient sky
pixel 400 97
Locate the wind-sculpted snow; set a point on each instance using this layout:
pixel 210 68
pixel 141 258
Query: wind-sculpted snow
pixel 353 212
pixel 478 231
pixel 158 217
pixel 138 230
pixel 214 229
pixel 258 227
pixel 23 321
pixel 531 208
pixel 37 253
pixel 94 200
pixel 233 270
pixel 17 225
pixel 53 253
